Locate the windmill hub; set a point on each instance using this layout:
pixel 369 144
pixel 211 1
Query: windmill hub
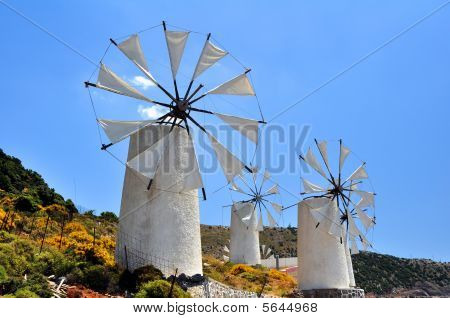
pixel 182 105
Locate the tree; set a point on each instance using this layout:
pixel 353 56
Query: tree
pixel 109 216
pixel 71 209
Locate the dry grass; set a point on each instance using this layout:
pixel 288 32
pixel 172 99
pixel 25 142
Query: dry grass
pixel 250 278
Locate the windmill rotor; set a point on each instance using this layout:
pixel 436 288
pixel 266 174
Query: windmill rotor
pixel 341 202
pixel 254 189
pixel 181 106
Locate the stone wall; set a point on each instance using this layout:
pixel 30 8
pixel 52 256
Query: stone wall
pixel 334 293
pixel 213 289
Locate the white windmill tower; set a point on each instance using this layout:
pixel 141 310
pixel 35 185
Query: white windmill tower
pixel 327 219
pixel 159 214
pixel 257 197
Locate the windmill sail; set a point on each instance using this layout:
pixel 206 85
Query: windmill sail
pixel 276 207
pixel 109 81
pixel 247 127
pixel 272 222
pixel 359 173
pixel 176 42
pixel 366 221
pixel 117 130
pixel 147 162
pixel 312 161
pixel 240 85
pixel 193 178
pixel 234 187
pixel 367 198
pixel 260 226
pixel 353 246
pixel 132 49
pixel 323 151
pixel 273 190
pixel 309 187
pixel 231 165
pixel 343 154
pixel 209 56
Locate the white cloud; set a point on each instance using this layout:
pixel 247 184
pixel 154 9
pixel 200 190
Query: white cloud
pixel 142 82
pixel 152 112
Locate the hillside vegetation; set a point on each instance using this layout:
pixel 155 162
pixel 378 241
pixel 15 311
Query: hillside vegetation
pixel 42 234
pixel 376 273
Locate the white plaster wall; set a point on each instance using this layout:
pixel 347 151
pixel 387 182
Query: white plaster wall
pixel 165 220
pixel 283 262
pixel 322 262
pixel 351 275
pixel 244 240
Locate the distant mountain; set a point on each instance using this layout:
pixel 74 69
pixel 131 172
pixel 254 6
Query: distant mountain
pixel 376 273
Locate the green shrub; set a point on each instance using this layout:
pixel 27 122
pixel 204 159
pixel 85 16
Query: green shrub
pixel 25 293
pixel 14 263
pixel 96 277
pixel 109 216
pixel 76 276
pixel 52 262
pixel 5 237
pixel 37 283
pixel 3 274
pixel 160 289
pixel 26 203
pixel 147 274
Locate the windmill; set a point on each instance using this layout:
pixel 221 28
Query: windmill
pixel 256 198
pixel 159 205
pixel 330 220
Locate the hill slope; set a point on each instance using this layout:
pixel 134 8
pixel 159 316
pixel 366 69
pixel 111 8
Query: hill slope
pixel 37 214
pixel 375 273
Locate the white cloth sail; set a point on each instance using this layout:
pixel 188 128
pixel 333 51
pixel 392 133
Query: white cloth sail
pixel 354 231
pixel 240 85
pixel 337 230
pixel 244 212
pixel 247 127
pixel 353 246
pixel 117 130
pixel 367 198
pixel 234 187
pixel 192 176
pixel 273 190
pixel 309 187
pixel 132 49
pixel 209 56
pixel 343 154
pixel 272 222
pixel 313 163
pixel 277 207
pixel 176 42
pixel 325 212
pixel 359 173
pixel 260 226
pixel 323 150
pixel 147 162
pixel 109 81
pixel 366 221
pixel 231 165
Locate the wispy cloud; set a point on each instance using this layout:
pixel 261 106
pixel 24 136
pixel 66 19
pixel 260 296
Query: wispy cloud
pixel 142 82
pixel 152 112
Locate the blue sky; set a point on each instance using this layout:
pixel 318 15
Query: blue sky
pixel 392 109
